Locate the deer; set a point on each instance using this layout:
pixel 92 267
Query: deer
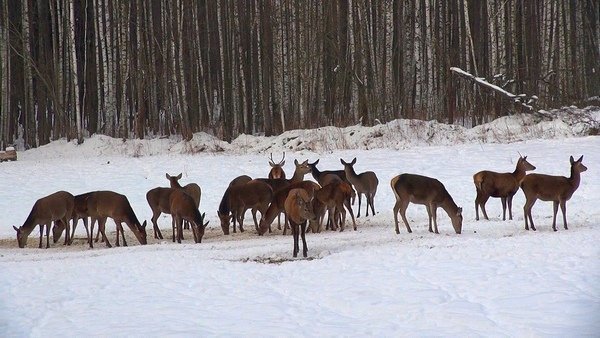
pixel 277 205
pixel 251 195
pixel 504 185
pixel 104 204
pixel 320 175
pixel 277 168
pixel 56 206
pixel 80 211
pixel 429 192
pixel 365 183
pixel 224 211
pixel 159 201
pixel 557 189
pixel 191 189
pixel 183 207
pixel 298 207
pixel 335 196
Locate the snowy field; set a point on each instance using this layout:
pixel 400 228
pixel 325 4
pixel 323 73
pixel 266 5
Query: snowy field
pixel 495 279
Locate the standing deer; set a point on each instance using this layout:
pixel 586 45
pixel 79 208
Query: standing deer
pixel 335 196
pixel 427 191
pixel 364 183
pixel 277 206
pixel 504 185
pixel 557 189
pixel 191 189
pixel 224 211
pixel 104 204
pixel 183 207
pixel 54 207
pixel 277 168
pixel 298 207
pixel 252 195
pixel 159 201
pixel 320 175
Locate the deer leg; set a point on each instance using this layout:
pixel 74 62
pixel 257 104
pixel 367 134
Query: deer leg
pixel 102 229
pixel 90 234
pixel 179 229
pixel 483 201
pixel 123 233
pixel 295 235
pixel 173 226
pixel 154 219
pixel 278 223
pixel 347 204
pixel 117 226
pixel 48 225
pixel 503 200
pixel 477 205
pixel 509 202
pixel 563 208
pixel 359 201
pixel 428 207
pixel 528 216
pixel 194 231
pixel 372 198
pixel 285 225
pixel 403 206
pixel 434 217
pixel 303 234
pixel 554 212
pixel 75 221
pixel 241 220
pixel 41 234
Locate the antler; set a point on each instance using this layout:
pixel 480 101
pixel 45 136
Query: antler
pixel 282 159
pixel 272 163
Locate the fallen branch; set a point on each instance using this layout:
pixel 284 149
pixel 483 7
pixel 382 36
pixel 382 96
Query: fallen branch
pixel 521 99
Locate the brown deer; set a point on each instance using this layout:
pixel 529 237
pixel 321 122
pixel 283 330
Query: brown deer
pixel 335 196
pixel 320 175
pixel 277 205
pixel 298 208
pixel 183 207
pixel 80 211
pixel 277 168
pixel 557 189
pixel 252 195
pixel 56 206
pixel 504 185
pixel 224 211
pixel 104 204
pixel 159 201
pixel 427 191
pixel 191 189
pixel 364 183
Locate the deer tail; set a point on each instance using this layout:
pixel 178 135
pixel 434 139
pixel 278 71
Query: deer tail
pixel 478 180
pixel 393 185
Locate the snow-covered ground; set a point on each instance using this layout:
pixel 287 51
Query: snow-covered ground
pixel 495 279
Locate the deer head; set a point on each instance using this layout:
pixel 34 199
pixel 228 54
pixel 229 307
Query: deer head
pixel 577 165
pixel 225 219
pixel 457 220
pixel 524 165
pixel 21 238
pixel 200 228
pixel 277 168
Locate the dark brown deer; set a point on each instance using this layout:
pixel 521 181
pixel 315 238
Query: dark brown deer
pixel 557 189
pixel 336 198
pixel 298 208
pixel 319 175
pixel 80 211
pixel 104 204
pixel 365 183
pixel 277 205
pixel 159 201
pixel 504 185
pixel 252 195
pixel 224 211
pixel 48 209
pixel 183 207
pixel 277 168
pixel 191 189
pixel 427 191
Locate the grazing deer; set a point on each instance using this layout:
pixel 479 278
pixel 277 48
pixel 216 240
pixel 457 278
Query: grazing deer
pixel 277 205
pixel 56 206
pixel 80 211
pixel 335 196
pixel 427 191
pixel 191 189
pixel 504 185
pixel 277 168
pixel 364 183
pixel 104 204
pixel 224 211
pixel 183 207
pixel 298 207
pixel 557 189
pixel 252 195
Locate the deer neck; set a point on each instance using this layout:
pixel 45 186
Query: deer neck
pixel 519 173
pixel 350 174
pixel 175 184
pixel 449 206
pixel 575 178
pixel 298 177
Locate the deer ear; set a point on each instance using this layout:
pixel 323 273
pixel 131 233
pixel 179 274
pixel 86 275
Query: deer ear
pixel 179 176
pixel 459 212
pixel 144 224
pixel 168 176
pixel 353 161
pixel 572 159
pixel 295 162
pixel 580 159
pixel 342 161
pixel 16 229
pixel 316 162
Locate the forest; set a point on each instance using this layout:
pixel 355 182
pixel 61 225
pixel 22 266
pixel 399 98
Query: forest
pixel 140 69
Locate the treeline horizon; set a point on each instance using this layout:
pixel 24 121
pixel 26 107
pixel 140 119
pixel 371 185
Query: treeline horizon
pixel 135 69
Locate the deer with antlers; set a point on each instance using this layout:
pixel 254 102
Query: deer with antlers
pixel 54 207
pixel 365 184
pixel 557 189
pixel 277 168
pixel 504 185
pixel 427 191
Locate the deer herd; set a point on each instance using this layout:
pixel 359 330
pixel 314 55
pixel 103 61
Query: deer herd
pixel 303 203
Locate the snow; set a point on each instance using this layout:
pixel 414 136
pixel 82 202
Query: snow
pixel 494 279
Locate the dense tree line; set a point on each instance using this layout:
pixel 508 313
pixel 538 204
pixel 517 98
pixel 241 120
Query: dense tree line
pixel 72 68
